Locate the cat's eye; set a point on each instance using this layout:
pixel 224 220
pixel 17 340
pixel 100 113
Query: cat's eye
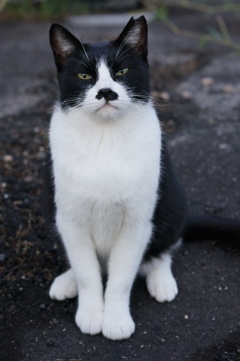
pixel 84 76
pixel 122 72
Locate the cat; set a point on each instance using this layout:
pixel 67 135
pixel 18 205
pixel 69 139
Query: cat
pixel 120 209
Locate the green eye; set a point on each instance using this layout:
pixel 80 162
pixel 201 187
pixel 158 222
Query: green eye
pixel 84 76
pixel 122 71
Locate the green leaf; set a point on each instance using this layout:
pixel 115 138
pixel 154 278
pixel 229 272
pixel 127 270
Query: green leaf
pixel 203 41
pixel 162 13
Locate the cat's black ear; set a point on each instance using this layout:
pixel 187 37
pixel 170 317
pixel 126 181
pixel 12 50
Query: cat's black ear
pixel 135 34
pixel 63 43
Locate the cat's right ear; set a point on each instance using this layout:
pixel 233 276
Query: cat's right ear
pixel 63 43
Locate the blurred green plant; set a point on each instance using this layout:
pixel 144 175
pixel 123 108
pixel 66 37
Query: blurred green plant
pixel 219 35
pixel 41 9
pixel 3 3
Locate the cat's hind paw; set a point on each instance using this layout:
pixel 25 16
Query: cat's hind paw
pixel 163 289
pixel 160 281
pixel 64 286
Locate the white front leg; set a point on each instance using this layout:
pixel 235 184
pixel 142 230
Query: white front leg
pixel 86 268
pixel 124 262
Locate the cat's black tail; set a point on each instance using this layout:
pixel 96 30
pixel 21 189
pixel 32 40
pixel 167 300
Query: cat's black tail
pixel 213 228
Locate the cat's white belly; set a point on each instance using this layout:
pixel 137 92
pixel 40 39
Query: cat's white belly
pixel 105 224
pixel 99 204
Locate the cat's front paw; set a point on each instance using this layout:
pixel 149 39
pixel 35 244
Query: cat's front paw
pixel 117 325
pixel 64 286
pixel 89 320
pixel 162 287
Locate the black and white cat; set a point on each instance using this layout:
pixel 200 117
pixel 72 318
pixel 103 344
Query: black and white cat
pixel 119 207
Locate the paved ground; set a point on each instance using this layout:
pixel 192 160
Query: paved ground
pixel 202 119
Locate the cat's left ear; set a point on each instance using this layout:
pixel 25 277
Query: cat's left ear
pixel 63 43
pixel 135 34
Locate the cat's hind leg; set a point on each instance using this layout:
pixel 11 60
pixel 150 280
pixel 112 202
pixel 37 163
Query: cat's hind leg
pixel 160 281
pixel 64 286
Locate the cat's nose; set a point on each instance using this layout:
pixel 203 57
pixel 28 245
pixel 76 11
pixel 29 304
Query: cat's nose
pixel 106 93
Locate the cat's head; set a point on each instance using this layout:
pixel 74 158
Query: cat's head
pixel 105 79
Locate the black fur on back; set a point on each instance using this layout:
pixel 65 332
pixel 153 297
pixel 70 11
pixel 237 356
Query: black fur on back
pixel 170 212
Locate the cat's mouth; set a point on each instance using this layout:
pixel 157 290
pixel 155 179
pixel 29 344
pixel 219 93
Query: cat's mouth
pixel 107 105
pixel 107 111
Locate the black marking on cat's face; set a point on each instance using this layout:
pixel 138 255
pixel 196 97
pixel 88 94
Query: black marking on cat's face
pixel 78 64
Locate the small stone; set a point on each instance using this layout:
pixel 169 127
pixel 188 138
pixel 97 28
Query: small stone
pixel 28 179
pixel 162 340
pixel 42 306
pixel 2 257
pixel 155 94
pixel 222 146
pixel 214 208
pixel 164 96
pixel 7 158
pixel 207 81
pixel 40 156
pixel 50 343
pixel 186 317
pixel 211 121
pixel 186 94
pixel 228 89
pixel 169 125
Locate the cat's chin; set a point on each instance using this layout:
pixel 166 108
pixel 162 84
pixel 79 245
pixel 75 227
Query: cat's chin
pixel 107 112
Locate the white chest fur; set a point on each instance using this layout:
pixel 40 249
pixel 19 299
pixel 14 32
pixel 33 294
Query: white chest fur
pixel 105 171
